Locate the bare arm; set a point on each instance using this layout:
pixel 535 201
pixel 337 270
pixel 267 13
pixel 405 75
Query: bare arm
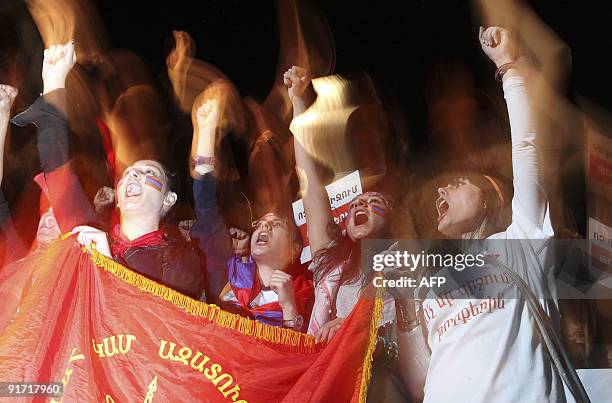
pixel 7 96
pixel 203 146
pixel 413 353
pixel 11 245
pixel 316 203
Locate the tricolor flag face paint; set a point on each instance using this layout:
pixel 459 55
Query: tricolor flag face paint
pixel 379 211
pixel 119 182
pixel 154 183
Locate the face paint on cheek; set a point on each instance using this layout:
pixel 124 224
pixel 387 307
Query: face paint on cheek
pixel 154 183
pixel 379 211
pixel 119 182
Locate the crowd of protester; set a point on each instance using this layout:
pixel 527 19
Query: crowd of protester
pixel 214 221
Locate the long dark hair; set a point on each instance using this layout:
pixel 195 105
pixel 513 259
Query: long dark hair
pixel 342 252
pixel 345 253
pixel 496 214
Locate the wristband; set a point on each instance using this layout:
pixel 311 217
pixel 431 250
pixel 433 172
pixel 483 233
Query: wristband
pixel 503 69
pixel 403 324
pixel 408 325
pixel 201 160
pixel 295 323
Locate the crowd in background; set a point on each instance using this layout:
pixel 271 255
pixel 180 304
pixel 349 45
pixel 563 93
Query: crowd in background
pixel 193 188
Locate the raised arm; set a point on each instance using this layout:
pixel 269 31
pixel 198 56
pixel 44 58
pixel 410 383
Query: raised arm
pixel 13 247
pixel 189 76
pixel 48 113
pixel 7 96
pixel 209 229
pixel 529 205
pixel 314 196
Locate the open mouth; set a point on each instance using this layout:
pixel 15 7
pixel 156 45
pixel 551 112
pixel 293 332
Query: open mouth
pixel 442 207
pixel 133 189
pixel 262 238
pixel 361 218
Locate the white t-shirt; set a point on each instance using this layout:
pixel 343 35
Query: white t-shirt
pixel 488 348
pixel 332 297
pixel 597 383
pixel 347 297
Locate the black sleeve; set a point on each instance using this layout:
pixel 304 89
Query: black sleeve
pixel 70 204
pixel 48 113
pixel 211 234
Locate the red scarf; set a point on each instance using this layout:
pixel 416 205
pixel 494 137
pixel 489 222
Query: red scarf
pixel 119 244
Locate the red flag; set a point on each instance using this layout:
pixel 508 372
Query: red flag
pixel 109 334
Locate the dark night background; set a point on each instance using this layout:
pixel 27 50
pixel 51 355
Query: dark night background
pixel 395 43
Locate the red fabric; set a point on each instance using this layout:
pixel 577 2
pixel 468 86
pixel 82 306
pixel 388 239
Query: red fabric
pixel 45 202
pixel 14 283
pixel 75 314
pixel 119 245
pixel 111 161
pixel 108 148
pixel 71 206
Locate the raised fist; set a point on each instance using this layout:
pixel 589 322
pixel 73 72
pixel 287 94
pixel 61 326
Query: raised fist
pixel 57 63
pixel 240 241
pixel 184 227
pixel 105 197
pixel 297 79
pixel 208 114
pixel 7 96
pixel 499 45
pixel 282 284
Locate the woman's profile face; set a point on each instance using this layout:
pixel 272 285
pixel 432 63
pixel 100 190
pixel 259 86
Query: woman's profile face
pixel 459 206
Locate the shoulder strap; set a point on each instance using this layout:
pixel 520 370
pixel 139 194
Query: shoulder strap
pixel 551 339
pixel 549 335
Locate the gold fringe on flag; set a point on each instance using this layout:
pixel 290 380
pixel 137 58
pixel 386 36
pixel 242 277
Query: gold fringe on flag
pixel 288 339
pixel 366 373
